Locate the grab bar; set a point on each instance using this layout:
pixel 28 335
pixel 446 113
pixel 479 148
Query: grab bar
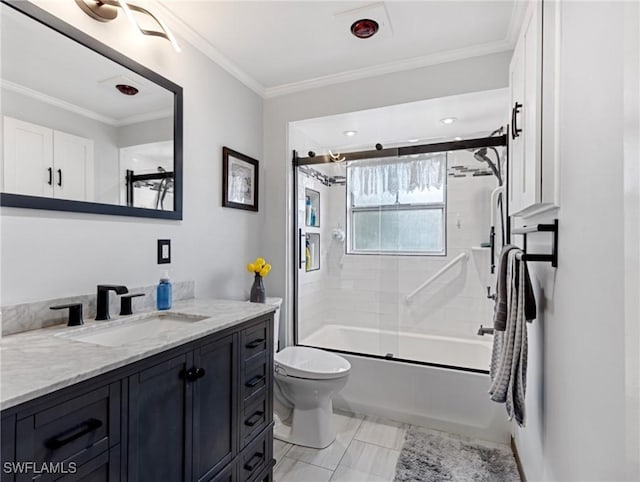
pixel 442 271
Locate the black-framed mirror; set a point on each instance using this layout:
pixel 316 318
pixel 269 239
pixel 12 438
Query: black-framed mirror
pixel 84 128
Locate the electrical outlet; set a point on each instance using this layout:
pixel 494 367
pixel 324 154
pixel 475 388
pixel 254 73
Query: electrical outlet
pixel 164 251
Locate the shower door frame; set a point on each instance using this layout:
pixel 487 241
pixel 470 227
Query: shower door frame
pixel 476 143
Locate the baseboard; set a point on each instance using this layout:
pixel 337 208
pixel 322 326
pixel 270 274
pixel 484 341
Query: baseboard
pixel 516 455
pixel 483 433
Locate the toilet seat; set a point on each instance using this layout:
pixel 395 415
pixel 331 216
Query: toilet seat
pixel 310 363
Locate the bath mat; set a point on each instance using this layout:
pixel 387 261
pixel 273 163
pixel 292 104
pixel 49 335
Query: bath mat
pixel 432 456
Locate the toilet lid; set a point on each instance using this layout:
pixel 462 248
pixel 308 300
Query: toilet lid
pixel 305 362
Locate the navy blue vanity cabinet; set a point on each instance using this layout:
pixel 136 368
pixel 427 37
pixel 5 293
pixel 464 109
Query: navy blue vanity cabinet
pixel 215 406
pixel 71 435
pixel 8 446
pixel 159 419
pixel 198 412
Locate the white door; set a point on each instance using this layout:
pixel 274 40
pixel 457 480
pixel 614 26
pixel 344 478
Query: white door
pixel 28 159
pixel 73 166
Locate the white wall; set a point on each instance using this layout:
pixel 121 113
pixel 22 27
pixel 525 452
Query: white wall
pixel 48 254
pixel 470 75
pixel 632 233
pixel 576 421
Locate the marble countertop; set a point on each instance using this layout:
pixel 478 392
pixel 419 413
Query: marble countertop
pixel 38 362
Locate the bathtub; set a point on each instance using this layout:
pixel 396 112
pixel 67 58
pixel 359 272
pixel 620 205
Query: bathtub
pixel 436 396
pixel 467 354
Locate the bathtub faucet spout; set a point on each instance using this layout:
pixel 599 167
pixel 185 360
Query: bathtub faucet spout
pixel 485 331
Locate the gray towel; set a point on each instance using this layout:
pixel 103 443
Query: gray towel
pixel 509 356
pixel 500 308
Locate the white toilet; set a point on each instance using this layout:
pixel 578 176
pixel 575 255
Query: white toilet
pixel 305 381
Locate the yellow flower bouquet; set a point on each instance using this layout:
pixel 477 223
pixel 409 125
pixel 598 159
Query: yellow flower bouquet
pixel 261 269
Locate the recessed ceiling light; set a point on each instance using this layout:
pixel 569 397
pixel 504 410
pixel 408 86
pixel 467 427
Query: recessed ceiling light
pixel 364 28
pixel 350 133
pixel 413 140
pixel 457 138
pixel 448 120
pixel 127 89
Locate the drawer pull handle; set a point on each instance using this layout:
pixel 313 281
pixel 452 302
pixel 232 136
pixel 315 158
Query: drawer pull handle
pixel 73 434
pixel 255 343
pixel 254 381
pixel 255 418
pixel 254 461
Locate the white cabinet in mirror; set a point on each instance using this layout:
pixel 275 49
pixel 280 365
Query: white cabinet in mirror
pixel 82 122
pixel 39 161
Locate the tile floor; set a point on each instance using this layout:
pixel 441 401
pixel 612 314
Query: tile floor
pixel 366 449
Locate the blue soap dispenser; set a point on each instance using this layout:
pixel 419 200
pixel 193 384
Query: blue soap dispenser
pixel 164 293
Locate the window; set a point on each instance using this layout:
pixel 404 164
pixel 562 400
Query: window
pixel 397 206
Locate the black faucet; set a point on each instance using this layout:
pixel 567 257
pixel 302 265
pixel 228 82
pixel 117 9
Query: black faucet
pixel 102 306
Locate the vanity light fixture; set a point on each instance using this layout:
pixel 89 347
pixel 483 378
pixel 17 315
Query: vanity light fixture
pixel 106 10
pixel 350 133
pixel 448 120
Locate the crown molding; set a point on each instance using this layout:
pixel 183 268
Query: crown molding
pixel 54 101
pixel 391 67
pixel 76 109
pixel 199 42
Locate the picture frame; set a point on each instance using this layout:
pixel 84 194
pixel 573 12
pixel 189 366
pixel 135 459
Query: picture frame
pixel 239 180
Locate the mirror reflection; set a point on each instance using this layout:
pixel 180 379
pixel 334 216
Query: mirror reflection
pixel 79 126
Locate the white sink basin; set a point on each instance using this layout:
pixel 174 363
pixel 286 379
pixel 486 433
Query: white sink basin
pixel 123 332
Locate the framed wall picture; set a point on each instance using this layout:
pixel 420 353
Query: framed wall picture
pixel 239 180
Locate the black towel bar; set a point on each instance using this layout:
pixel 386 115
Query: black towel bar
pixel 537 228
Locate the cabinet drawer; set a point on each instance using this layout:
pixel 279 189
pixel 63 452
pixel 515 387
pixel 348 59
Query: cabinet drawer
pixel 254 418
pixel 254 376
pixel 256 457
pixel 75 430
pixel 103 468
pixel 228 474
pixel 254 340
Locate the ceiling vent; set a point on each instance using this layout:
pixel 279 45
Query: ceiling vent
pixel 367 21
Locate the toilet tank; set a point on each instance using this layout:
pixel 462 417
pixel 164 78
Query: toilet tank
pixel 277 302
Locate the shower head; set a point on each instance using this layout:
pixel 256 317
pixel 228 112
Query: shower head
pixel 481 156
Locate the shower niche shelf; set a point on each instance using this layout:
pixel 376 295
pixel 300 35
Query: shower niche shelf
pixel 312 208
pixel 312 252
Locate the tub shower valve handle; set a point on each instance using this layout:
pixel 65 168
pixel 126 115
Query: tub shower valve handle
pixel 489 295
pixel 75 313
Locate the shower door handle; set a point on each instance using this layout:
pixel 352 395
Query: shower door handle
pixel 492 243
pixel 515 131
pixel 302 238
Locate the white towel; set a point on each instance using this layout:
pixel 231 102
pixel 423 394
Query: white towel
pixel 509 355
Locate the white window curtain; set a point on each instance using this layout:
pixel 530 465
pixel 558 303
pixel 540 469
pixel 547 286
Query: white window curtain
pixel 375 178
